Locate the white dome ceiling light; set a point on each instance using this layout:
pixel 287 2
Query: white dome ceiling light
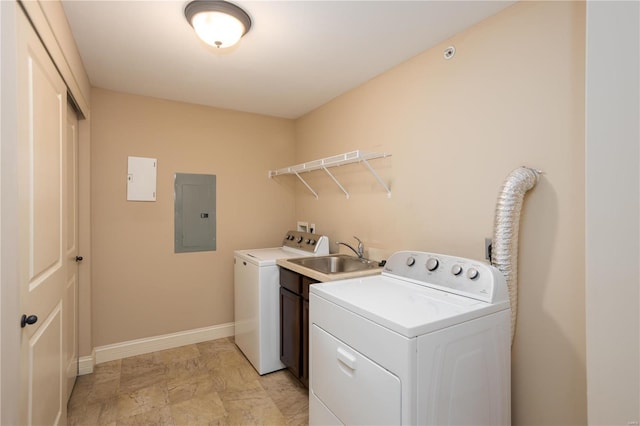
pixel 218 23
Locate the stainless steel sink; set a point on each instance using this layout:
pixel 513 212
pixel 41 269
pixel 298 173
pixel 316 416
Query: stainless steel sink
pixel 335 263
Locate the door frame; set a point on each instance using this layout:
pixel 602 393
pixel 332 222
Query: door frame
pixel 9 287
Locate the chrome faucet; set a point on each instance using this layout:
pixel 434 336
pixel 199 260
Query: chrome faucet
pixel 359 252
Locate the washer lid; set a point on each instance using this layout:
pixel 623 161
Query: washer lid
pixel 402 306
pixel 268 256
pixel 263 257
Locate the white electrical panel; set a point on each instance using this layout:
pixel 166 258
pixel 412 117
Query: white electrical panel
pixel 141 179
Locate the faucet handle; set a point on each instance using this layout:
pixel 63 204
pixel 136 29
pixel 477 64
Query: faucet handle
pixel 360 246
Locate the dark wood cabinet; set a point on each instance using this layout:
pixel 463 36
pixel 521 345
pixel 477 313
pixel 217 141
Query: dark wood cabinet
pixel 294 323
pixel 290 345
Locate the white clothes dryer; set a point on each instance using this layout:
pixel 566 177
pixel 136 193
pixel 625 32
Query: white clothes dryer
pixel 256 296
pixel 427 342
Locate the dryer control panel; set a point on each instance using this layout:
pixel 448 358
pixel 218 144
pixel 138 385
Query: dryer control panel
pixel 466 277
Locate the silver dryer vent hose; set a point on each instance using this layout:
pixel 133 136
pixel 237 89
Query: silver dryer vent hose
pixel 504 249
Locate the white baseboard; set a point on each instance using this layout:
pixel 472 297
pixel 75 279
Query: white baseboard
pixel 158 343
pixel 86 363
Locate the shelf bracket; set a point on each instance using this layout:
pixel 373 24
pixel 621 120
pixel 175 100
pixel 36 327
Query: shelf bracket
pixel 306 184
pixel 378 178
pixel 336 181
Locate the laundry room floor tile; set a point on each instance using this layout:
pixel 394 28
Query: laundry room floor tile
pixel 206 383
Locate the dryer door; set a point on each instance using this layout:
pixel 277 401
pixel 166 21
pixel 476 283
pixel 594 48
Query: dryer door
pixel 353 387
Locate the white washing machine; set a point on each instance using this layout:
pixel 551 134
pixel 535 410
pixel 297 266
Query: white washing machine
pixel 256 296
pixel 427 342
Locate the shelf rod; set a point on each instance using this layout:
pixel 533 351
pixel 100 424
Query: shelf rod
pixel 306 184
pixel 336 181
pixel 373 172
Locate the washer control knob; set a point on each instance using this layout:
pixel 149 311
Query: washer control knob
pixel 456 270
pixel 311 241
pixel 432 264
pixel 473 273
pixel 410 261
pixel 300 239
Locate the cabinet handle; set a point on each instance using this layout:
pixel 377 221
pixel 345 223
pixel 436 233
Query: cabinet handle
pixel 347 359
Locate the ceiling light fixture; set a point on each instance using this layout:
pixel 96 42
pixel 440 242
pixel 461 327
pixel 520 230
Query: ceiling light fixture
pixel 217 23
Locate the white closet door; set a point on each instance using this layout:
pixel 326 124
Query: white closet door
pixel 70 304
pixel 42 127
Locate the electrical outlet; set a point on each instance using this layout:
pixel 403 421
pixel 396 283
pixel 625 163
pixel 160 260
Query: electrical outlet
pixel 487 249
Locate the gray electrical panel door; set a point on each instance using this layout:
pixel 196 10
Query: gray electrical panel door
pixel 195 212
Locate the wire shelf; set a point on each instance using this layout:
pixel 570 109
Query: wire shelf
pixel 334 161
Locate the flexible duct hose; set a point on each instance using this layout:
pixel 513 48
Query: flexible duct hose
pixel 504 249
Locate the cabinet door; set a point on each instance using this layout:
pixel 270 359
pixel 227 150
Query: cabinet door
pixel 290 313
pixel 304 374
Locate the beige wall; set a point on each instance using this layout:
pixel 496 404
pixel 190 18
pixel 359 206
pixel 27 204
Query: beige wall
pixel 513 95
pixel 140 288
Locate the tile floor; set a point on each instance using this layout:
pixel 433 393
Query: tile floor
pixel 209 383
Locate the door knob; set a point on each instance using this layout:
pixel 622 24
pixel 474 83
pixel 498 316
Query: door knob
pixel 28 320
pixel 78 258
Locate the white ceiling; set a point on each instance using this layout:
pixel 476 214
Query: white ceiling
pixel 297 56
